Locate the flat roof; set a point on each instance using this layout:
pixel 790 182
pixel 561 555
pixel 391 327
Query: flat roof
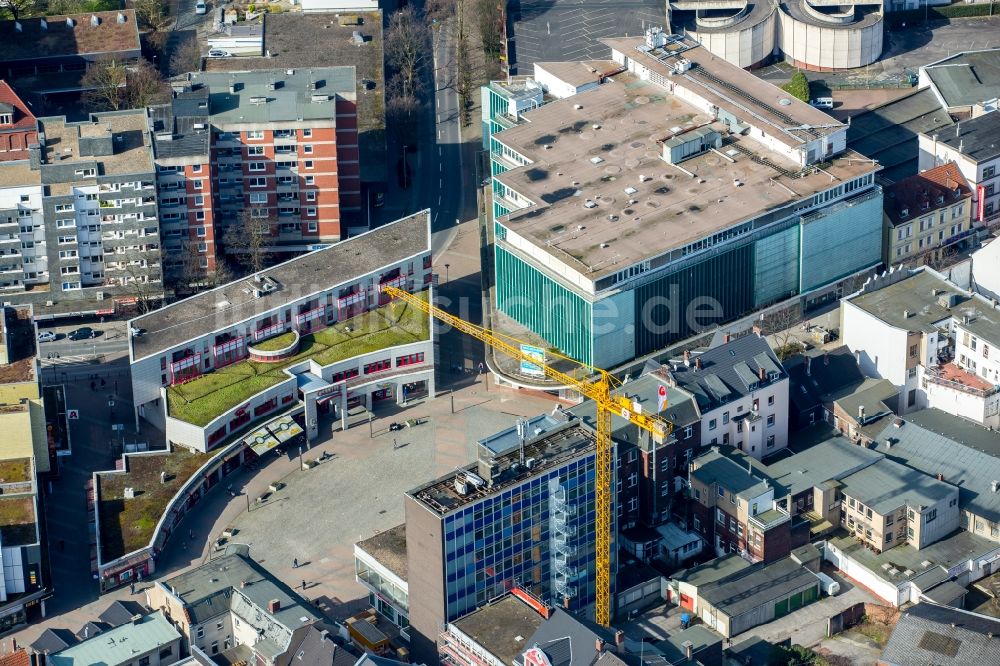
pixel 389 549
pixel 828 459
pixel 913 303
pixel 228 305
pixel 132 153
pixel 886 485
pixel 120 645
pixel 713 467
pixel 712 571
pixel 976 138
pixel 550 450
pixel 904 562
pixel 966 78
pixel 572 163
pixel 502 628
pixel 757 585
pixel 579 73
pixel 292 99
pixel 115 31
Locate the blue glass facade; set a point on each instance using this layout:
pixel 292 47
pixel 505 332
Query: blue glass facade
pixel 538 534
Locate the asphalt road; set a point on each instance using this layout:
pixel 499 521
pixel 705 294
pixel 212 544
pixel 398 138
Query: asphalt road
pixel 112 341
pixel 442 188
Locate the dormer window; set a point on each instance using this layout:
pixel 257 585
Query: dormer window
pixel 6 118
pixel 904 212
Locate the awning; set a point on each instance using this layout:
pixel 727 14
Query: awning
pixel 284 429
pixel 261 441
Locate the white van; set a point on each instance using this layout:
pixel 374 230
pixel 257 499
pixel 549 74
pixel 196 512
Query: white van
pixel 822 102
pixel 829 586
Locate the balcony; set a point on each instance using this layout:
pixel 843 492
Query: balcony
pixel 765 520
pixel 952 376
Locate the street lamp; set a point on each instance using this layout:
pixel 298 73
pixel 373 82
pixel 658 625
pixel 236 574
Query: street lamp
pixel 447 273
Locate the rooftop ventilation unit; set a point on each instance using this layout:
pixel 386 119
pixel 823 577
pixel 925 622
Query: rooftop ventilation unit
pixel 258 100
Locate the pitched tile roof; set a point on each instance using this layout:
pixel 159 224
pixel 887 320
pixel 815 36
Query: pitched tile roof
pixel 23 117
pixel 19 658
pixel 75 34
pixel 929 190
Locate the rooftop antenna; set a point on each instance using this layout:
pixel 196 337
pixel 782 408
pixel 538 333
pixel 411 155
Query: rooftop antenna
pixel 522 434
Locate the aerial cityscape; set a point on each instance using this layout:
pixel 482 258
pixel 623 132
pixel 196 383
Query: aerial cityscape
pixel 499 333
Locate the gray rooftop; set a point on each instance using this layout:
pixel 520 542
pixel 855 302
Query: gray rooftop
pixel 174 124
pixel 728 372
pixel 886 485
pixel 878 397
pixel 568 640
pixel 302 95
pixel 228 305
pixel 983 319
pixel 712 571
pixel 967 78
pixel 904 562
pixel 120 645
pixel 978 138
pixel 757 585
pixel 218 585
pixel 888 133
pixel 716 468
pixel 502 627
pixel 832 458
pixel 389 549
pixel 914 296
pixel 933 634
pixel 963 452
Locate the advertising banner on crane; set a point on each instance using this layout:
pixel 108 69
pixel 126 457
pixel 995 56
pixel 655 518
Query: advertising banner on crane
pixel 531 369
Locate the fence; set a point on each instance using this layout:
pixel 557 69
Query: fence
pixel 851 616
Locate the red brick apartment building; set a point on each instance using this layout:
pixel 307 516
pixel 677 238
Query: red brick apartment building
pixel 281 145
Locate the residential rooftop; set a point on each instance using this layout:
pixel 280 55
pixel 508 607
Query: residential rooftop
pixel 290 41
pixel 180 126
pixel 502 627
pixel 904 562
pixel 298 95
pixel 916 302
pixel 205 397
pixel 595 152
pixel 877 397
pixel 727 372
pixel 125 131
pixel 551 449
pixel 886 485
pixel 966 78
pixel 756 585
pixel 714 467
pixel 962 452
pixel 916 196
pixel 944 636
pixel 120 645
pixel 234 581
pixel 21 348
pixel 228 305
pixel 712 571
pixel 18 522
pixel 976 138
pixel 832 458
pixel 66 35
pixel 388 547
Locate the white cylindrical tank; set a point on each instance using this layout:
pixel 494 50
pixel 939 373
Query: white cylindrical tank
pixel 829 38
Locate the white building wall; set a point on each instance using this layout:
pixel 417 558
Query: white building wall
pixel 558 88
pixel 755 434
pixel 961 403
pixel 338 5
pixel 882 347
pixel 888 592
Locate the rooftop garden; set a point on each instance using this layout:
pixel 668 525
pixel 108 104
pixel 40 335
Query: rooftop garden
pixel 204 398
pixel 128 524
pixel 275 343
pixel 16 470
pixel 17 520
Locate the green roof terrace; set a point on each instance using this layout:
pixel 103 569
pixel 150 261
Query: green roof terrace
pixel 204 398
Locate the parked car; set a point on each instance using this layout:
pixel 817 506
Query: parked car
pixel 84 333
pixel 46 336
pixel 822 102
pixel 219 53
pixel 200 7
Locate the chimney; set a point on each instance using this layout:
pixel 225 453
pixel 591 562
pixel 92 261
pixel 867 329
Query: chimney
pixel 566 603
pixel 687 358
pixel 599 645
pixel 725 339
pixel 808 366
pixel 620 641
pixel 857 356
pixel 940 476
pixel 756 328
pixel 861 412
pixel 273 606
pixel 761 373
pixel 994 486
pixel 697 364
pixel 688 649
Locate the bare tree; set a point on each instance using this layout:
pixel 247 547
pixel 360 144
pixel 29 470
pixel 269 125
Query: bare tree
pixel 104 85
pixel 151 14
pixel 781 325
pixel 17 8
pixel 246 241
pixel 136 280
pixel 402 109
pixel 187 57
pixel 438 11
pixel 490 19
pixel 145 86
pixel 407 47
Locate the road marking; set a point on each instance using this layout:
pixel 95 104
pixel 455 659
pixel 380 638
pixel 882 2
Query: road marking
pixel 439 102
pixel 439 199
pixel 439 150
pixel 439 135
pixel 440 166
pixel 440 182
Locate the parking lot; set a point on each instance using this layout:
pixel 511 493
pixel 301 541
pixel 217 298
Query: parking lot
pixel 110 340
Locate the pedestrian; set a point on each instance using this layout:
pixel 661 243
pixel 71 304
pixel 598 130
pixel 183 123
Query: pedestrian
pixel 191 534
pixel 102 382
pixel 303 584
pixel 131 588
pixel 295 563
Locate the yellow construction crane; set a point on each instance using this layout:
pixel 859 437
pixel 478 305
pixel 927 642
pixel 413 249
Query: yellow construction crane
pixel 598 390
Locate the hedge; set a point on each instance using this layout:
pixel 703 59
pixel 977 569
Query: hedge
pixel 942 13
